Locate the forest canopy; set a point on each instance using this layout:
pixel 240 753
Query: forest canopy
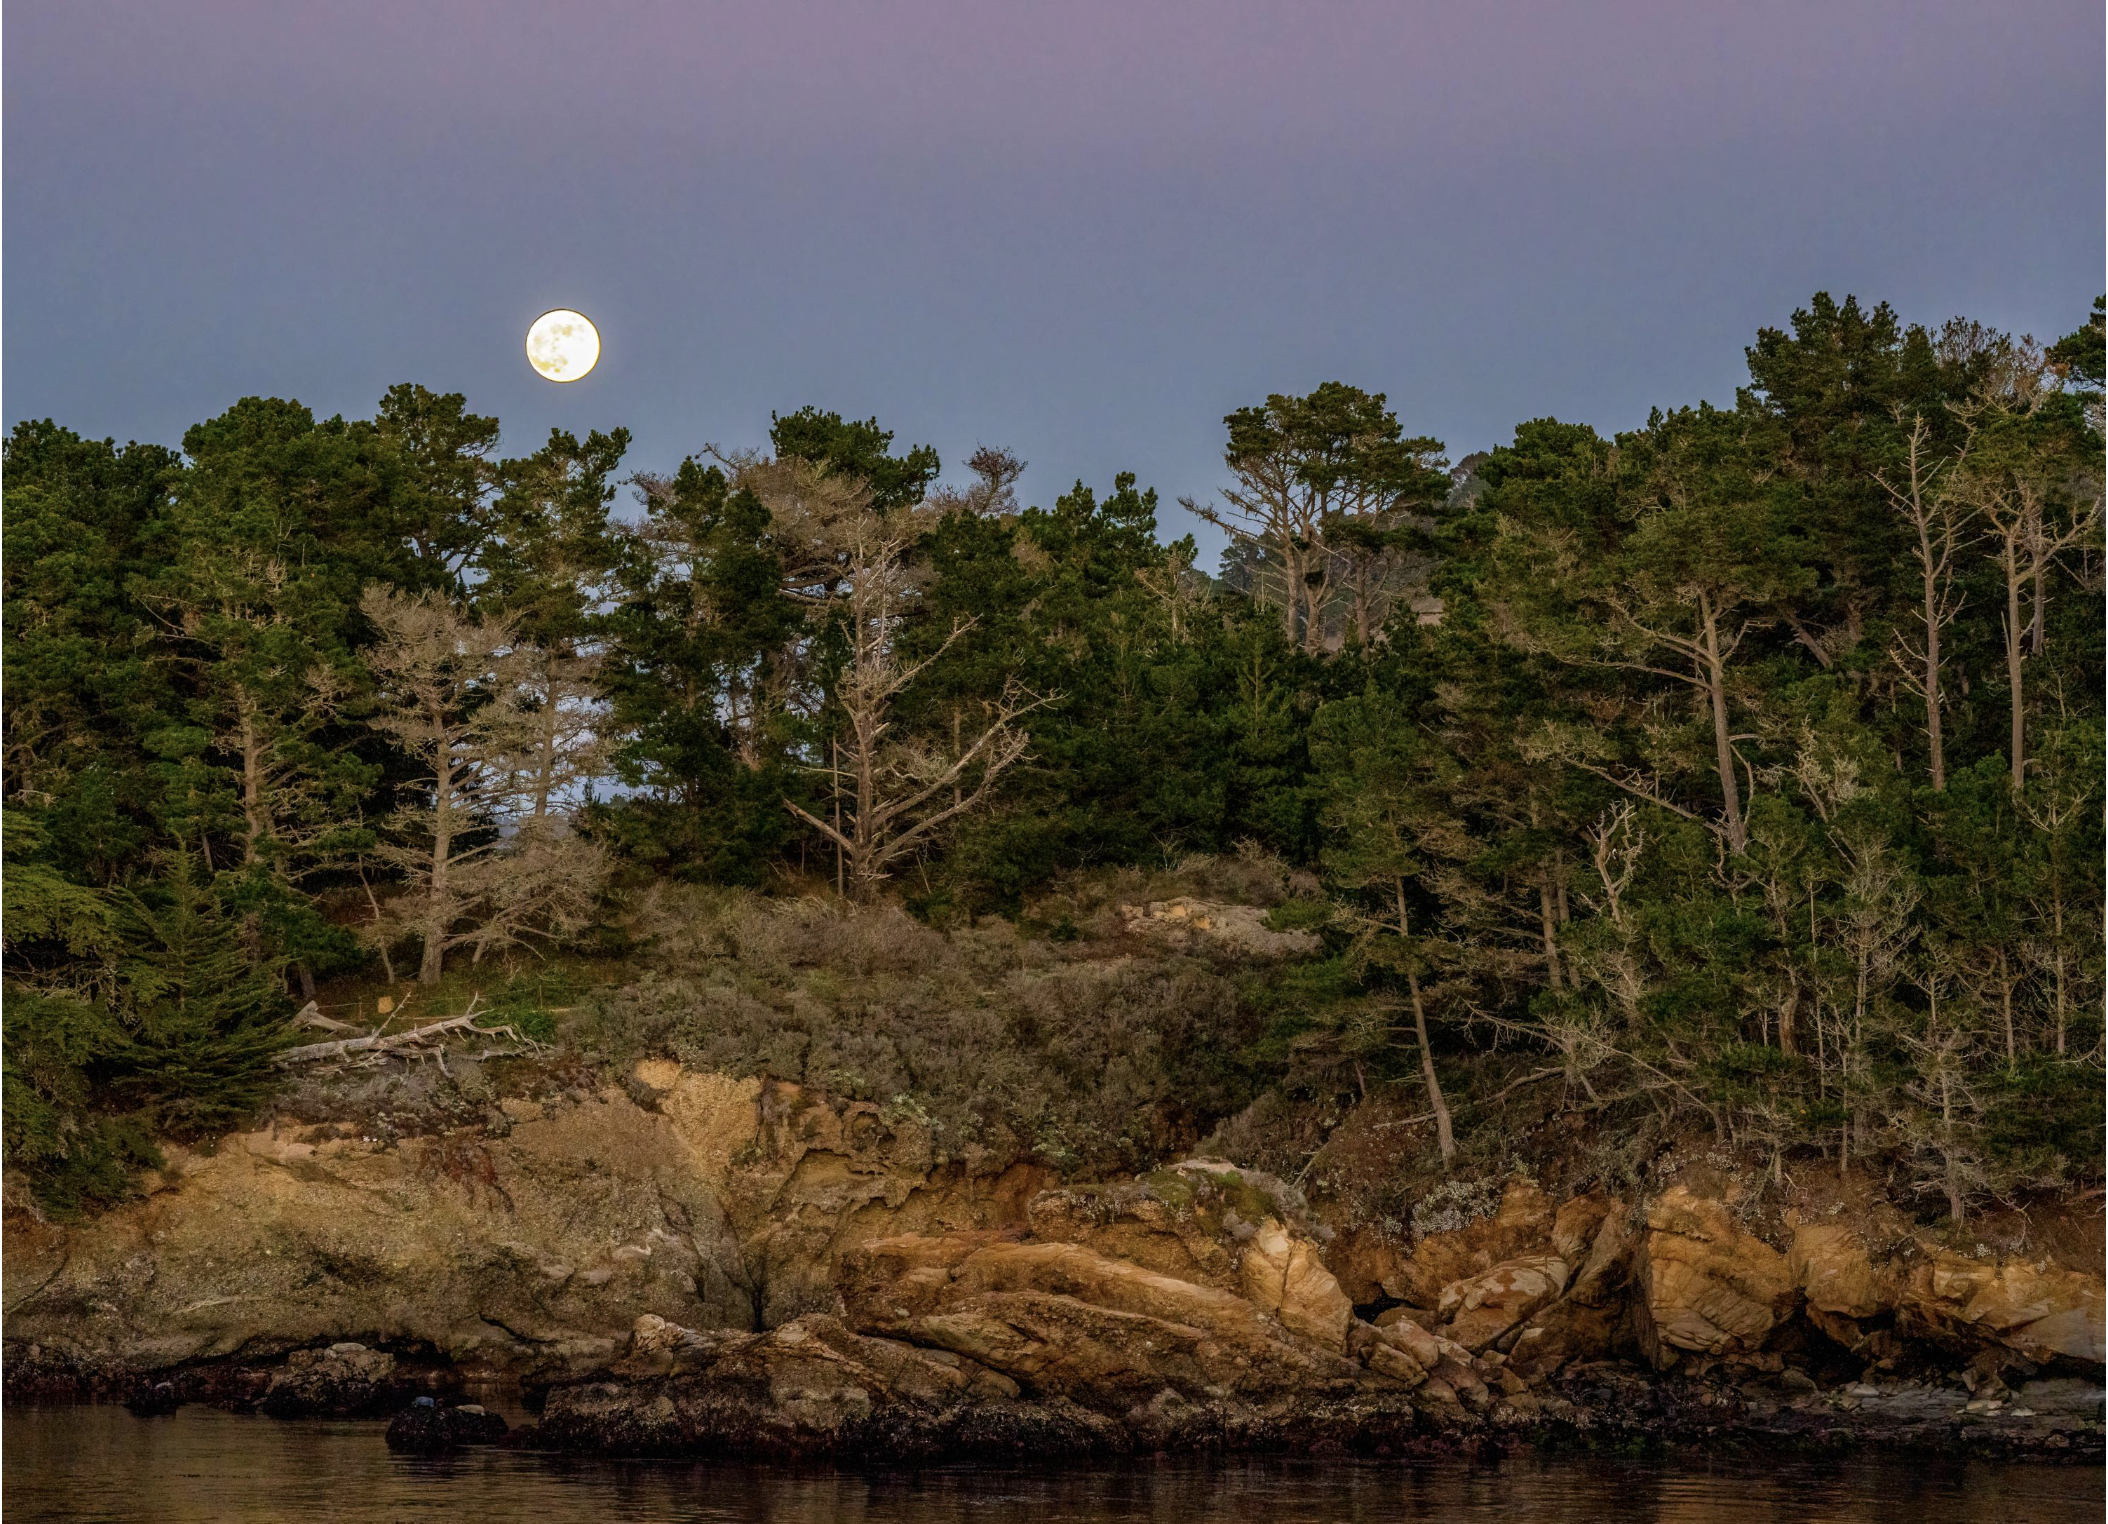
pixel 1745 768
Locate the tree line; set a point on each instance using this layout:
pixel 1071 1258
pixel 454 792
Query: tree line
pixel 1743 768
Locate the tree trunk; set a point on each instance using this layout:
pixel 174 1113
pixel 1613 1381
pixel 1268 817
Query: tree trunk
pixel 1291 591
pixel 2014 634
pixel 2005 1000
pixel 442 852
pixel 1933 732
pixel 1551 941
pixel 2038 632
pixel 1723 744
pixel 1445 1138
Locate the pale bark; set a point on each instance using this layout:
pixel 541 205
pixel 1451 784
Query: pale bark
pixel 1723 739
pixel 900 795
pixel 1937 518
pixel 1445 1137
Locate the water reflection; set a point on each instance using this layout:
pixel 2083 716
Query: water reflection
pixel 201 1465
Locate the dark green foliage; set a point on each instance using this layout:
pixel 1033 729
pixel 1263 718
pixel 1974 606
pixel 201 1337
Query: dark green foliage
pixel 856 451
pixel 204 1016
pixel 1649 821
pixel 2084 353
pixel 128 1016
pixel 695 641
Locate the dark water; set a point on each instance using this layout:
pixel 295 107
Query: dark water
pixel 199 1465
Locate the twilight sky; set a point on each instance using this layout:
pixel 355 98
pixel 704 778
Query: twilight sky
pixel 1084 230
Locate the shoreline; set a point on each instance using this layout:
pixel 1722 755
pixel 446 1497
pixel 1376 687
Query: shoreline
pixel 1609 1408
pixel 707 1266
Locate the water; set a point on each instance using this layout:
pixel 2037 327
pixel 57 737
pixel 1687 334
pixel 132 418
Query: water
pixel 201 1465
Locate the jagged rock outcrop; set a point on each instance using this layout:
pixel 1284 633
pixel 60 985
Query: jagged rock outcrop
pixel 528 1247
pixel 2038 1311
pixel 426 1427
pixel 809 1387
pixel 537 1243
pixel 1705 1284
pixel 694 1263
pixel 1073 1323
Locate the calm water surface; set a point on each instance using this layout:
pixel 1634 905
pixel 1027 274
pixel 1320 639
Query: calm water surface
pixel 199 1465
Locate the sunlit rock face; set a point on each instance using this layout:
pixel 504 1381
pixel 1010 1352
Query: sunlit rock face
pixel 689 1261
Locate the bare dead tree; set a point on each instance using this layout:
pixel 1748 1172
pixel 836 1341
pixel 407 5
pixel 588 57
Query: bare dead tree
pixel 993 491
pixel 450 698
pixel 2016 504
pixel 897 794
pixel 1938 518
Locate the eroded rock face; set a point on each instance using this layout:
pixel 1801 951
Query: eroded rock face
pixel 543 1245
pixel 2037 1311
pixel 1064 1321
pixel 527 1250
pixel 621 1250
pixel 1522 1225
pixel 1284 1275
pixel 1707 1286
pixel 1478 1310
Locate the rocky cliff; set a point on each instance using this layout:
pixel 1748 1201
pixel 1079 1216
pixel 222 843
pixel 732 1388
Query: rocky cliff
pixel 688 1263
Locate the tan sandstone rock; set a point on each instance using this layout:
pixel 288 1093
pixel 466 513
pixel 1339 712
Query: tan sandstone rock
pixel 1706 1285
pixel 2037 1310
pixel 1478 1310
pixel 1833 1269
pixel 1522 1225
pixel 1067 1322
pixel 1283 1274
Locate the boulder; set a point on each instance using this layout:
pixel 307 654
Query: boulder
pixel 427 1428
pixel 1283 1275
pixel 347 1380
pixel 1403 1351
pixel 1478 1310
pixel 1706 1286
pixel 2039 1311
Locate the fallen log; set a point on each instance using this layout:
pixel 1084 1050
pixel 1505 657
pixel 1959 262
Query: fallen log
pixel 416 1042
pixel 310 1015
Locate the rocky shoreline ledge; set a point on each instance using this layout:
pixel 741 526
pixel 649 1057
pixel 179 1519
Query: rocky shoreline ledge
pixel 693 1265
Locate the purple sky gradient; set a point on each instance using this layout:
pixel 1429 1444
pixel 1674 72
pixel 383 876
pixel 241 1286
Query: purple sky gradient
pixel 1083 230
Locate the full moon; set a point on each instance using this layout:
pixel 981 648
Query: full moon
pixel 563 345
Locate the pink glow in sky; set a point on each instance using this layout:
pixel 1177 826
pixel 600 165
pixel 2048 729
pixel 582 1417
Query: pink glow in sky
pixel 1083 230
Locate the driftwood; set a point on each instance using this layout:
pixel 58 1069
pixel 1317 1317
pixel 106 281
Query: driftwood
pixel 427 1041
pixel 310 1015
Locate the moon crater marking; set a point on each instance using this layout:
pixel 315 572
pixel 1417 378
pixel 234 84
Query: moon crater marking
pixel 563 345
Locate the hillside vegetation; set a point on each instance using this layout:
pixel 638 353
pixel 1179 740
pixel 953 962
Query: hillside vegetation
pixel 1737 777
